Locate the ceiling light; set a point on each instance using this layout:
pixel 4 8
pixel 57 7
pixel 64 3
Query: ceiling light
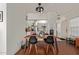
pixel 42 21
pixel 39 8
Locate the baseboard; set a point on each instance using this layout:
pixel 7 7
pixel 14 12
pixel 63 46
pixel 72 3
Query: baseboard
pixel 17 52
pixel 2 53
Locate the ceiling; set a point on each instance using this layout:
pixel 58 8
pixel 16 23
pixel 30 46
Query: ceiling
pixel 70 10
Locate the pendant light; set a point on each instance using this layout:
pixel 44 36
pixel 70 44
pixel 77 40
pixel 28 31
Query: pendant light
pixel 39 8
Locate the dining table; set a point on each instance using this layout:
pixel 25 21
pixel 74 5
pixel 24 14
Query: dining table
pixel 41 38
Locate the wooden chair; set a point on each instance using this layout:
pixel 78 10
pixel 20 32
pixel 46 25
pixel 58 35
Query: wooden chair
pixel 50 44
pixel 32 42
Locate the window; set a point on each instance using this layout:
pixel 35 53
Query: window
pixel 74 27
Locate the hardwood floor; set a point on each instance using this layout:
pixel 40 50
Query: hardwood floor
pixel 63 46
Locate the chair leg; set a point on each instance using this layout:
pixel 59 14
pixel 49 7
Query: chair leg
pixel 47 49
pixel 30 48
pixel 36 49
pixel 25 50
pixel 53 49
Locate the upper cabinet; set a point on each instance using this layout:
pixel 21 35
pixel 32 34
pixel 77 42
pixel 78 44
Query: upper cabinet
pixel 37 16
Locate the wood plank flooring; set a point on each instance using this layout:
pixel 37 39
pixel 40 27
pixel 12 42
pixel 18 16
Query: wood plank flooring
pixel 63 46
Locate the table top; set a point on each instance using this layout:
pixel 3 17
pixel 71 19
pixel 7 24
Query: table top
pixel 40 38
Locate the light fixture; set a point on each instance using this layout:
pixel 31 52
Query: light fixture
pixel 58 17
pixel 39 8
pixel 42 21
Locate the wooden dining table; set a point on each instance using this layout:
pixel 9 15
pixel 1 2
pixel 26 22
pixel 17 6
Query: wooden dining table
pixel 39 38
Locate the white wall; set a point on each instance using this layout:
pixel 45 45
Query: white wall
pixel 15 27
pixel 3 30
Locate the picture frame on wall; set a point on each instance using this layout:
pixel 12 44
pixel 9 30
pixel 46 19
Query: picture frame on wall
pixel 1 16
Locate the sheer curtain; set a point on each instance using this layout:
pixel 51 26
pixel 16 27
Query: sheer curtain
pixel 74 27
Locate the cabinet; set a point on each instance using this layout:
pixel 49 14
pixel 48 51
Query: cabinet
pixel 77 42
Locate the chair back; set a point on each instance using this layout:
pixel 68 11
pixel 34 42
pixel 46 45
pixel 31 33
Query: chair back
pixel 33 40
pixel 50 39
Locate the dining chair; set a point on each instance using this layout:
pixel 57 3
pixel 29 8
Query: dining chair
pixel 50 44
pixel 32 42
